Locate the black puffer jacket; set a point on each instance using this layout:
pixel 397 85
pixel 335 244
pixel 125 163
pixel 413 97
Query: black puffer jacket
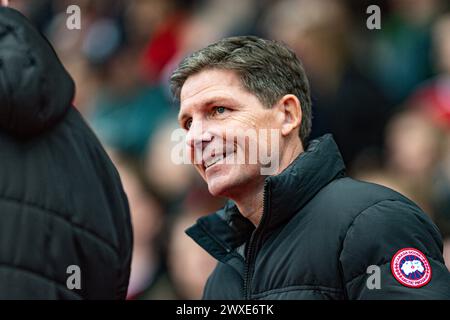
pixel 61 199
pixel 319 236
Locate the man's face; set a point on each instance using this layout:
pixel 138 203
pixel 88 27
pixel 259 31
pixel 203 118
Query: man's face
pixel 214 107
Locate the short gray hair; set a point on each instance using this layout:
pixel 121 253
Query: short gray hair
pixel 266 68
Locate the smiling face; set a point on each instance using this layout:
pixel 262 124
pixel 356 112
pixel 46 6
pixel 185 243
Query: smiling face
pixel 213 106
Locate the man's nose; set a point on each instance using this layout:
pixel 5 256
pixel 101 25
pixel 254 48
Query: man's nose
pixel 198 135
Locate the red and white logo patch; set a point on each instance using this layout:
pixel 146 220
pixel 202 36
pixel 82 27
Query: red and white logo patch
pixel 411 268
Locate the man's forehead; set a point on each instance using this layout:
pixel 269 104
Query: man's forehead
pixel 204 82
pixel 207 87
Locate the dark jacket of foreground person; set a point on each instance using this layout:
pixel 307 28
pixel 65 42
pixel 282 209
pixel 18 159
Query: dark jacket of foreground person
pixel 322 236
pixel 62 206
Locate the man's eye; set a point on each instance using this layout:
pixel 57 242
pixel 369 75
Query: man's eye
pixel 188 124
pixel 220 109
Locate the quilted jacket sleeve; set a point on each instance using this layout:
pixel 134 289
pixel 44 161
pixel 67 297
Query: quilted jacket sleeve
pixel 392 250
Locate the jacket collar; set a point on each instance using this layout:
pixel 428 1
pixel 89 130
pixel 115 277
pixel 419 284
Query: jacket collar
pixel 286 194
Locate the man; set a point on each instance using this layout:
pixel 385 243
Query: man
pixel 305 231
pixel 65 229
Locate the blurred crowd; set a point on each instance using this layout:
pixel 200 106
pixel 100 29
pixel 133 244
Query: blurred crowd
pixel 384 95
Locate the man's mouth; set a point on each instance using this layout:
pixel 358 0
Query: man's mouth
pixel 212 161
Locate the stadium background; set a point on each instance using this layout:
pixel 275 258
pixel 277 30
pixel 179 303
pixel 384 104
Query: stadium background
pixel 384 94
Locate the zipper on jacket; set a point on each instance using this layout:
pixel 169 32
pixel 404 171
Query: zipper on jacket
pixel 253 246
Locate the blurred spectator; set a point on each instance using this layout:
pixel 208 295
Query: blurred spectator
pixel 170 181
pixel 188 265
pixel 211 20
pixel 418 140
pixel 413 150
pixel 125 111
pixel 163 46
pixel 400 56
pixel 345 102
pixel 433 99
pixel 434 94
pixel 147 221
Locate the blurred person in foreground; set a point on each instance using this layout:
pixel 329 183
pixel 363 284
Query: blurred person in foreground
pixel 295 226
pixel 62 205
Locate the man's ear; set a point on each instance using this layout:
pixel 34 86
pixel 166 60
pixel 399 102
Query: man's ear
pixel 291 113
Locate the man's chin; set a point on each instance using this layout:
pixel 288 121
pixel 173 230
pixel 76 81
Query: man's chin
pixel 216 190
pixel 219 187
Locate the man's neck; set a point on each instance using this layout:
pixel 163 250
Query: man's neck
pixel 252 205
pixel 251 202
